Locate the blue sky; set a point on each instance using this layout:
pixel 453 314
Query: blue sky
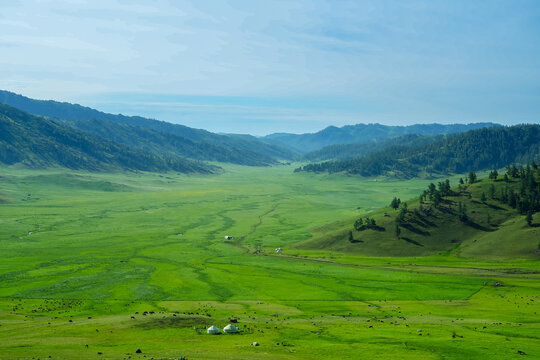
pixel 279 66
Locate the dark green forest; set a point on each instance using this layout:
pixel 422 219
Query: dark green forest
pixel 352 151
pixel 173 145
pixel 475 150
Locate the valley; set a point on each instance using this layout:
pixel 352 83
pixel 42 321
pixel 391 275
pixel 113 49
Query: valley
pixel 133 260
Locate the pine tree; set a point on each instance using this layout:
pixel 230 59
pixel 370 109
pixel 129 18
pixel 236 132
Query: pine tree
pixel 528 218
pixel 492 192
pixel 472 177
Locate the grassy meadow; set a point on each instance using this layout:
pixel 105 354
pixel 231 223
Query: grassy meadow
pixel 97 266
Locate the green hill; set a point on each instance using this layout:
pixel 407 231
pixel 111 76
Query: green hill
pixel 39 142
pixel 486 219
pixel 185 141
pixel 473 150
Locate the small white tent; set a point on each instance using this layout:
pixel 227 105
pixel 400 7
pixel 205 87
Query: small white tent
pixel 212 330
pixel 230 329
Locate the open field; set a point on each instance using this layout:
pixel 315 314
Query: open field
pixel 121 262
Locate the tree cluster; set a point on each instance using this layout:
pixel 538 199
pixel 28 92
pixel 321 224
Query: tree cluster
pixel 526 196
pixel 364 224
pixel 436 193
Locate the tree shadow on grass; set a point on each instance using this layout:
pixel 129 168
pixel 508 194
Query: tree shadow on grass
pixel 426 221
pixel 496 207
pixel 415 230
pixel 412 241
pixel 446 210
pixel 478 226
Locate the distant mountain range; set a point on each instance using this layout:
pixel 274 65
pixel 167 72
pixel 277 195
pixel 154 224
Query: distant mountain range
pixel 159 137
pixel 487 148
pixel 51 133
pixel 362 134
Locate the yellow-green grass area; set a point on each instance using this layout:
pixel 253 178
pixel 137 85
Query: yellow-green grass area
pixel 100 265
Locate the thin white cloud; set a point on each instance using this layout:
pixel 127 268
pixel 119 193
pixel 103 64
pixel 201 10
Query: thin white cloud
pixel 402 60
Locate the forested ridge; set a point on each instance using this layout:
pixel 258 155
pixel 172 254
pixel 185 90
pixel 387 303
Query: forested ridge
pixel 486 148
pixel 40 142
pixel 184 141
pixel 352 151
pixel 162 143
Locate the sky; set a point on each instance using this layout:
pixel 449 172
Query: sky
pixel 260 67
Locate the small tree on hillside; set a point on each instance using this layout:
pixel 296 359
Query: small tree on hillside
pixel 358 224
pixel 528 218
pixel 483 197
pixel 462 212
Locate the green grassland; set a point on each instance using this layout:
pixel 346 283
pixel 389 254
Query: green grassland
pixel 100 265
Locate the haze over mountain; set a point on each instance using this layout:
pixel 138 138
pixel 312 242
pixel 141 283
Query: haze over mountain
pixel 363 134
pixel 368 149
pixel 153 135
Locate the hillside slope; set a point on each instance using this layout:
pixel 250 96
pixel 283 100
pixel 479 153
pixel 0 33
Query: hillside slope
pixel 474 150
pixel 263 152
pixel 161 143
pixel 472 220
pixel 39 142
pixel 363 134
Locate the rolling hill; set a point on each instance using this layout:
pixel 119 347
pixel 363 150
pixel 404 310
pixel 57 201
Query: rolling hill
pixel 478 220
pixel 35 141
pixel 362 134
pixel 185 141
pixel 474 150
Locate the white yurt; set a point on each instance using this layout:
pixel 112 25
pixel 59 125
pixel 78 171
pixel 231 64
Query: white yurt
pixel 230 329
pixel 212 330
